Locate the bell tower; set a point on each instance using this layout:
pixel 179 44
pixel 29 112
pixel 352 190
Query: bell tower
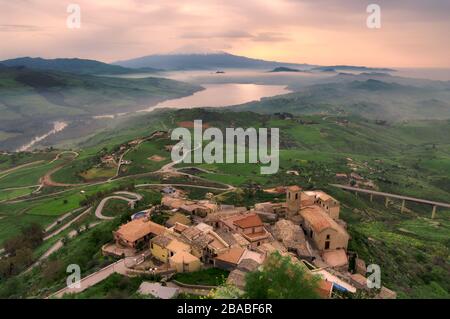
pixel 293 200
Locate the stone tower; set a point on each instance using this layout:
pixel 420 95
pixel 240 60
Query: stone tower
pixel 293 200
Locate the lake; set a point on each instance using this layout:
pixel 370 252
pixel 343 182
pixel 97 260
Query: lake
pixel 218 95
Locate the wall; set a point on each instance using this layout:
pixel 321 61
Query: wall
pixel 160 253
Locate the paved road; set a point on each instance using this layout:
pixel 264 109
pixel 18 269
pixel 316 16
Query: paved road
pixel 99 210
pixel 59 230
pixel 135 195
pixel 58 245
pixel 119 266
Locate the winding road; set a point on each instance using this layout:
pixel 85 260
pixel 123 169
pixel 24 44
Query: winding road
pixel 100 207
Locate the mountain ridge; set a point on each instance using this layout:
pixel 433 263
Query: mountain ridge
pixel 71 65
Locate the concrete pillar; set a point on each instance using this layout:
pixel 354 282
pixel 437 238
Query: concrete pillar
pixel 386 202
pixel 403 206
pixel 356 194
pixel 433 213
pixel 371 197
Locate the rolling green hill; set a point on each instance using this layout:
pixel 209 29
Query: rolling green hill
pixel 31 99
pixel 75 65
pixel 406 158
pixel 378 97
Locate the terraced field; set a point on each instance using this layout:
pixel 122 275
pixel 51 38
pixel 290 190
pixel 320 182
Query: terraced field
pixel 405 158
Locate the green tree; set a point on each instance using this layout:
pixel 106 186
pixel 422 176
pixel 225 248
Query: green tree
pixel 280 278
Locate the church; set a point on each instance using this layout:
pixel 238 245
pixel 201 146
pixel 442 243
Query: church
pixel 318 215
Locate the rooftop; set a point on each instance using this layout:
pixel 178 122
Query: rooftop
pixel 139 228
pixel 294 188
pixel 335 258
pixel 232 256
pixel 178 246
pixel 248 221
pixel 178 218
pixel 183 257
pixel 319 219
pixel 162 241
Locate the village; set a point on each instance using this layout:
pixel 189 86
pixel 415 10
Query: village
pixel 203 234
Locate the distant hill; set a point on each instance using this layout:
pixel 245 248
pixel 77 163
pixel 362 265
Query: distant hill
pixel 223 60
pixel 31 99
pixel 207 61
pixel 75 65
pixel 387 98
pixel 284 69
pixel 335 68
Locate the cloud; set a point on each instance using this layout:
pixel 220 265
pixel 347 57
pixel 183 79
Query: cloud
pixel 271 37
pixel 324 31
pixel 19 28
pixel 231 34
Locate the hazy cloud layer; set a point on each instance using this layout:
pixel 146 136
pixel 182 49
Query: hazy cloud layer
pixel 413 32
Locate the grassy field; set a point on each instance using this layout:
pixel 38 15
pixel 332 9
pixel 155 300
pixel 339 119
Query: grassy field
pixel 149 156
pixel 31 99
pixel 209 277
pixel 410 158
pixel 14 193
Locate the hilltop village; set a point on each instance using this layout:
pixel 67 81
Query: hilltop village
pixel 202 234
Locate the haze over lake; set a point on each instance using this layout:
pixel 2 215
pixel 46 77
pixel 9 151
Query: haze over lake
pixel 217 95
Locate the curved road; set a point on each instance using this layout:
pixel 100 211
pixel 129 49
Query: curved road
pixel 99 209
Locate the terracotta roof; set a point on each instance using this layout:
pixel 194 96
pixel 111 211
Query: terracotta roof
pixel 324 196
pixel 180 227
pixel 226 236
pixel 202 240
pixel 177 246
pixel 321 218
pixel 183 257
pixel 294 188
pixel 360 279
pixel 335 258
pixel 232 256
pixel 162 241
pixel 253 255
pixel 247 221
pixel 317 218
pixel 174 202
pixel 178 218
pixel 324 288
pixel 191 232
pixel 139 228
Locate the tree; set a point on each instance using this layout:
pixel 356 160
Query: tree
pixel 280 278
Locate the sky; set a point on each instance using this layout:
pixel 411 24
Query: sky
pixel 413 33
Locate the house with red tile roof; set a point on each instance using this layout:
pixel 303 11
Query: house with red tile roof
pixel 249 226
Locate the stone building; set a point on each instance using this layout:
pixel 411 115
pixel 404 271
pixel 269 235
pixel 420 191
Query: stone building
pixel 318 215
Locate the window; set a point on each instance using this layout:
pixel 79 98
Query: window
pixel 328 237
pixel 296 196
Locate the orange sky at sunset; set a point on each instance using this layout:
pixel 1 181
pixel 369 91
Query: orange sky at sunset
pixel 413 33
